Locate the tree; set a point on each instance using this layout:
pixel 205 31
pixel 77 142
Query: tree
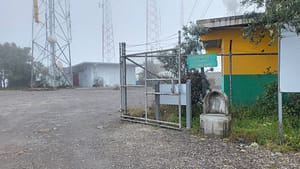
pixel 190 44
pixel 15 63
pixel 278 15
pixel 153 71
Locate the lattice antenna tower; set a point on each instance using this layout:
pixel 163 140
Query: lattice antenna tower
pixel 181 14
pixel 152 25
pixel 51 38
pixel 108 47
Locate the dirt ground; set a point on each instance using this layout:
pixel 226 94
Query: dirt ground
pixel 81 129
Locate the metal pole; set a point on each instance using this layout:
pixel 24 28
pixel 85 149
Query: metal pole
pixel 146 61
pixel 70 66
pixel 52 42
pixel 280 128
pixel 123 78
pixel 124 74
pixel 32 51
pixel 230 76
pixel 179 77
pixel 181 14
pixel 188 105
pixel 147 24
pixel 157 100
pixel 146 90
pixel 103 17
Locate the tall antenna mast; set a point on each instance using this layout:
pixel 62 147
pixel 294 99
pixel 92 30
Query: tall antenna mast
pixel 51 38
pixel 152 25
pixel 103 27
pixel 108 47
pixel 181 14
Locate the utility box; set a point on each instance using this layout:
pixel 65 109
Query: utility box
pixel 215 119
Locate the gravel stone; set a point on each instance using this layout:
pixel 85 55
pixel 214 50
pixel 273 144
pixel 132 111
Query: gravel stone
pixel 90 135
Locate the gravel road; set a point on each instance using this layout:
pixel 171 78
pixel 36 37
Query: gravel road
pixel 81 129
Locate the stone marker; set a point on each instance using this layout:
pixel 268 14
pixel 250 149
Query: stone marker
pixel 215 119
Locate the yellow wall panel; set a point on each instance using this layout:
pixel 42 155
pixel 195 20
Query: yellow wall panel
pixel 246 64
pixel 239 45
pixel 250 64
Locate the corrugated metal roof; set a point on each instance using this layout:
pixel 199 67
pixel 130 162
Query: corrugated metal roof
pixel 230 21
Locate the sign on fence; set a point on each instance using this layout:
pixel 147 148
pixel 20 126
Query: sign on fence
pixel 169 94
pixel 201 60
pixel 289 62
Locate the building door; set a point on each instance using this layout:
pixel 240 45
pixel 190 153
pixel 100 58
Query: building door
pixel 75 79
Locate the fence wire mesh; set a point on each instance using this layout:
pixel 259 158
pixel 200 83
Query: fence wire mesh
pixel 140 102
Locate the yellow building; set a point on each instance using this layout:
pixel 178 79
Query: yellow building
pixel 253 65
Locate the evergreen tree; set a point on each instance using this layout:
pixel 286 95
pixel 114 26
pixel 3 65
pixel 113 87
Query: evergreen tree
pixel 15 64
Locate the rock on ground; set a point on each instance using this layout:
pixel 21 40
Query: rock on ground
pixel 81 129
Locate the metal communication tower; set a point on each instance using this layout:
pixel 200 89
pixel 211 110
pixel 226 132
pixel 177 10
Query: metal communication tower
pixel 108 47
pixel 152 25
pixel 181 14
pixel 51 38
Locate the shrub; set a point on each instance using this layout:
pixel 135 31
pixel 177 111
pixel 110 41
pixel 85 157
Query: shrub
pixel 269 99
pixel 196 88
pixel 259 122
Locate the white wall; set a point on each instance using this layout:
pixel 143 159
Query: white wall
pixel 85 78
pixel 109 72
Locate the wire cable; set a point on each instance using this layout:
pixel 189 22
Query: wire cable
pixel 207 7
pixel 168 38
pixel 194 6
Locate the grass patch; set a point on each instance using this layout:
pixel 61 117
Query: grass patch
pixel 136 112
pixel 167 113
pixel 248 125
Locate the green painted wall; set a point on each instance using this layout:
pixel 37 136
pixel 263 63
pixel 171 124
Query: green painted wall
pixel 246 88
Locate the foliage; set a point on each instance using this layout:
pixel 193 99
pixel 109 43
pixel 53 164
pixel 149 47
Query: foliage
pixel 249 126
pixel 269 99
pixel 191 34
pixel 196 85
pixel 278 15
pixel 153 70
pixel 15 61
pixel 259 122
pixel 190 44
pixel 171 63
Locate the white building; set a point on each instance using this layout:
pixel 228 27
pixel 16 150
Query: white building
pixel 96 74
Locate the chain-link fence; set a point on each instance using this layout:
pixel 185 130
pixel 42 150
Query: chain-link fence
pixel 140 102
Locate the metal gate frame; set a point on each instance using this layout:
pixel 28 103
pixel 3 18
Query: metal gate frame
pixel 124 86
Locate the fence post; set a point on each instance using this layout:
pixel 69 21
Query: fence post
pixel 230 77
pixel 179 77
pixel 157 101
pixel 122 51
pixel 188 105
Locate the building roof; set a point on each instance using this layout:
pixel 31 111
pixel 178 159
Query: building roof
pixel 81 66
pixel 231 21
pixel 98 64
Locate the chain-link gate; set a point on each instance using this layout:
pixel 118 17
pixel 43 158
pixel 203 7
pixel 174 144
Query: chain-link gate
pixel 140 102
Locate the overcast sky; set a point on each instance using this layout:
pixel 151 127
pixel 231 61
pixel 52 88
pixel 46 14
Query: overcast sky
pixel 129 20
